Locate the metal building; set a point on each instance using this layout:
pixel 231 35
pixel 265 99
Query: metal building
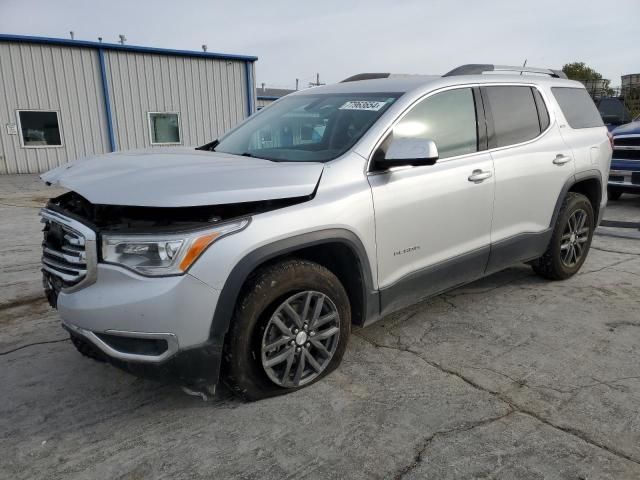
pixel 629 82
pixel 66 99
pixel 266 96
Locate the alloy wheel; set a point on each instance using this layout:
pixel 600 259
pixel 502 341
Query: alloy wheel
pixel 574 238
pixel 300 339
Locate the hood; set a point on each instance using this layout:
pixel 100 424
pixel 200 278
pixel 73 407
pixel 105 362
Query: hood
pixel 628 129
pixel 182 177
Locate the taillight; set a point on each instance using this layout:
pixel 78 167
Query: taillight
pixel 610 139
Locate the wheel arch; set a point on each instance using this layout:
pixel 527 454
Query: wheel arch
pixel 587 183
pixel 335 249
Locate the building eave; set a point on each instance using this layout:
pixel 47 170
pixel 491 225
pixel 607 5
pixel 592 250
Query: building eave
pixel 125 48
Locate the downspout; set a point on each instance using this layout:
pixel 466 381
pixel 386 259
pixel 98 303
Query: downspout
pixel 250 87
pixel 107 100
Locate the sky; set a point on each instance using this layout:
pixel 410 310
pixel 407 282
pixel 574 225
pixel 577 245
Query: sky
pixel 339 38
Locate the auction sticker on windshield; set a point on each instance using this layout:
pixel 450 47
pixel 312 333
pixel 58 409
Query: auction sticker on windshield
pixel 363 105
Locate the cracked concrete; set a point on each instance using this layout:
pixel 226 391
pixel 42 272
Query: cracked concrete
pixel 508 377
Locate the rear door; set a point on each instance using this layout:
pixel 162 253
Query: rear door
pixel 532 164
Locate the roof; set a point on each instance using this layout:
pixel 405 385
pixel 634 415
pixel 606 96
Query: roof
pixel 408 83
pixel 395 84
pixel 272 93
pixel 125 48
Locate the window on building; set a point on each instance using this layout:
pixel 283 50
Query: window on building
pixel 39 128
pixel 515 116
pixel 164 128
pixel 447 118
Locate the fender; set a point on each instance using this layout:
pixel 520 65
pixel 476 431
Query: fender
pixel 571 181
pixel 231 289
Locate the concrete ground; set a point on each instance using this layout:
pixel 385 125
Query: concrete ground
pixel 509 377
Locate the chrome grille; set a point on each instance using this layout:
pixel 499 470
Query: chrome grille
pixel 68 251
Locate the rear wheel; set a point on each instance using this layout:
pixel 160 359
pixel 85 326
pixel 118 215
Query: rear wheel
pixel 289 330
pixel 570 241
pixel 613 193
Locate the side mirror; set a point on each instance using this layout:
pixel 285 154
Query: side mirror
pixel 409 151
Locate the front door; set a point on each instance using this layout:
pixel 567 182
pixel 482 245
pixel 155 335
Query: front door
pixel 433 222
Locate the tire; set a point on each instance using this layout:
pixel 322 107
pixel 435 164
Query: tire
pixel 614 193
pixel 557 263
pixel 254 330
pixel 87 349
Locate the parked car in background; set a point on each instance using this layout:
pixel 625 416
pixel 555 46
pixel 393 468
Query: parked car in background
pixel 624 176
pixel 613 111
pixel 251 257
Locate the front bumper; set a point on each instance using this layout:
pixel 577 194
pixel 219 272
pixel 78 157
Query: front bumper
pixel 624 175
pixel 624 180
pixel 152 327
pixel 197 367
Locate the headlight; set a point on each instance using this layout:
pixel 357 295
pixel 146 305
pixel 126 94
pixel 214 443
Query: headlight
pixel 168 254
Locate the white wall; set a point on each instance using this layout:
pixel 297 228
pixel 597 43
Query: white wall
pixel 209 93
pixel 47 77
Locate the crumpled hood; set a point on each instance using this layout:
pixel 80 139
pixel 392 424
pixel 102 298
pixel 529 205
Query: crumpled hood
pixel 181 177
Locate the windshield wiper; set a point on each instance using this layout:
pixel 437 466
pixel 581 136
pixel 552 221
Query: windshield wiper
pixel 209 147
pixel 251 155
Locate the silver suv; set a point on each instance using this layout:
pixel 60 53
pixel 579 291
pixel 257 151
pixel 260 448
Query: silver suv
pixel 250 258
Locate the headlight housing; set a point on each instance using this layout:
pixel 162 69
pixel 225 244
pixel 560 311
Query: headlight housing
pixel 163 254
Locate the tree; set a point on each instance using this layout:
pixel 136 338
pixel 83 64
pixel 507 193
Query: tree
pixel 580 71
pixel 592 80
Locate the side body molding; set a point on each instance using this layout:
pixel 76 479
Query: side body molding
pixel 231 289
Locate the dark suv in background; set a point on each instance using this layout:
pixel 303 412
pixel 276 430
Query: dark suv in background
pixel 613 111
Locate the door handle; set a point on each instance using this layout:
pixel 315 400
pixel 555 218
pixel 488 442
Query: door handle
pixel 561 159
pixel 478 176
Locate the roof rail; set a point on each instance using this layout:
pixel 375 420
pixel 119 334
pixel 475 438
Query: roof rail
pixel 479 68
pixel 365 76
pixel 373 76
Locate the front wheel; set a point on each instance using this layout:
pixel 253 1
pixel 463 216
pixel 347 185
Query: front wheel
pixel 289 330
pixel 570 241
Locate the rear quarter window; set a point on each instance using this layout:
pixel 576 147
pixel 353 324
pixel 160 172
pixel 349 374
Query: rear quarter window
pixel 577 107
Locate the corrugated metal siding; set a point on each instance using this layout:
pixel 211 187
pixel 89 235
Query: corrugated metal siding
pixel 210 94
pixel 46 77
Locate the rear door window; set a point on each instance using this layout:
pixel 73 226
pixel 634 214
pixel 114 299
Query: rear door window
pixel 577 107
pixel 543 113
pixel 515 116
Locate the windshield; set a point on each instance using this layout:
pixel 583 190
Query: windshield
pixel 307 128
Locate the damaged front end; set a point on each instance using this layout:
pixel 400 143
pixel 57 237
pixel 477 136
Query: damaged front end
pixel 78 234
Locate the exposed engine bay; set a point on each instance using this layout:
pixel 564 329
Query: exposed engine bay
pixel 117 218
